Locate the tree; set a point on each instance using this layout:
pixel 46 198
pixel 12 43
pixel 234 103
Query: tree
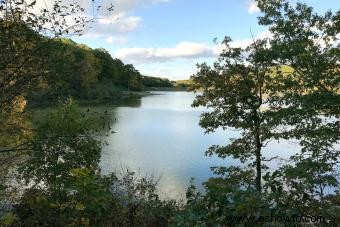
pixel 156 82
pixel 62 168
pixel 297 73
pixel 235 89
pixel 79 70
pixel 62 143
pixel 308 43
pixel 130 78
pixel 108 67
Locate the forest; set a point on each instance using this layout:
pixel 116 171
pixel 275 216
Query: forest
pixel 283 87
pixel 89 75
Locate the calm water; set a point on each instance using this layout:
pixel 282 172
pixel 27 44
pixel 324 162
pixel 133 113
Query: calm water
pixel 159 135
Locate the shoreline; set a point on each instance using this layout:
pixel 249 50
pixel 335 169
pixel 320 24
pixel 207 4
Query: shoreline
pixel 114 100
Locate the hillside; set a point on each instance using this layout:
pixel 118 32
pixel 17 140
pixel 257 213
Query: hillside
pixel 90 74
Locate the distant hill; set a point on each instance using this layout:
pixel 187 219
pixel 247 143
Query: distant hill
pixel 90 74
pixel 184 84
pixel 149 81
pixel 157 83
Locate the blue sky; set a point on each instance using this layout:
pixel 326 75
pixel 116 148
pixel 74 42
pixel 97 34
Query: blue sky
pixel 168 37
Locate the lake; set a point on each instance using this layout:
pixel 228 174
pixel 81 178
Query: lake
pixel 160 135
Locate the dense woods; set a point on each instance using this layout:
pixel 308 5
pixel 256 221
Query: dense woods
pixel 280 88
pixel 91 74
pixel 84 73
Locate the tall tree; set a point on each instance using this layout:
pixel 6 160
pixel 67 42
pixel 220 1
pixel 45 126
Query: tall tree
pixel 235 90
pixel 108 67
pixel 300 87
pixel 308 43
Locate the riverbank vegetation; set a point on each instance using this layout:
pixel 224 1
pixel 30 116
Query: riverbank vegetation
pixel 90 74
pixel 50 173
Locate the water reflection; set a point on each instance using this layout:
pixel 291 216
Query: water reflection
pixel 131 102
pixel 162 137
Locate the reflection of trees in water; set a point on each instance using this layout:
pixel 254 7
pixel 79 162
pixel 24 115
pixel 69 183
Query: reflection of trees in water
pixel 131 102
pixel 106 116
pixel 102 117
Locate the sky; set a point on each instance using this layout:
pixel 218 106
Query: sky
pixel 167 38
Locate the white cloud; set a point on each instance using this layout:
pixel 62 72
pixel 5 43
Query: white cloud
pixel 120 23
pixel 119 5
pixel 264 35
pixel 116 40
pixel 115 27
pixel 243 43
pixel 128 5
pixel 174 70
pixel 184 50
pixel 161 54
pixel 252 7
pixel 109 25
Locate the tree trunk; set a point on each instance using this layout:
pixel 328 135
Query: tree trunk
pixel 258 159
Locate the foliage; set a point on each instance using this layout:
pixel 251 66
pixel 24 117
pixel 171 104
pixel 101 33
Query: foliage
pixel 311 91
pixel 141 203
pixel 85 73
pixel 60 144
pixel 235 90
pixel 64 186
pixel 27 54
pixel 187 84
pixel 285 87
pixel 83 200
pixel 149 81
pixel 310 94
pixel 94 200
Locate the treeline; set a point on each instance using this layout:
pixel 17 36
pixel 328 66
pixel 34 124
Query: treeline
pixel 157 83
pixel 93 74
pixel 149 81
pixel 85 73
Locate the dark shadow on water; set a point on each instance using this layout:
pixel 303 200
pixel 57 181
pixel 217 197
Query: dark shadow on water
pixel 131 102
